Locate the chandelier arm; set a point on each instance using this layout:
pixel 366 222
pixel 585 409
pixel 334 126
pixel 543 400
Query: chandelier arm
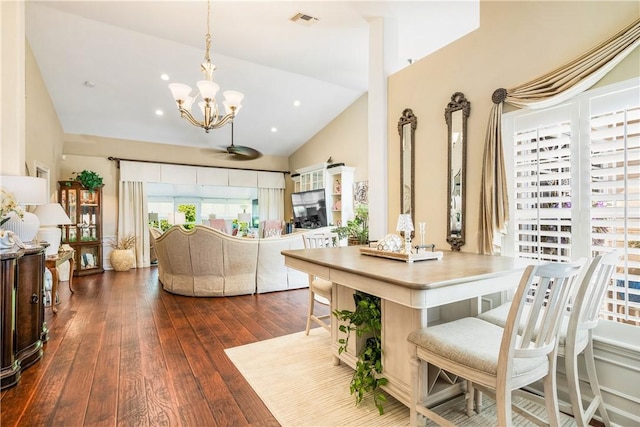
pixel 223 120
pixel 187 115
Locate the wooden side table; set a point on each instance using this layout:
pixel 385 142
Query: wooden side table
pixel 52 262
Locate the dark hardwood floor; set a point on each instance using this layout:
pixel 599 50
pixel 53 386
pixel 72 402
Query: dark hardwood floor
pixel 122 351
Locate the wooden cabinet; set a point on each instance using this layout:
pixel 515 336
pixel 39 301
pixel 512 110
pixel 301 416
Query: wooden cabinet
pixel 85 234
pixel 22 319
pixel 337 180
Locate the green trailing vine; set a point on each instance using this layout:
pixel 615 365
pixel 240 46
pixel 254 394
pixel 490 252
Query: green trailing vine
pixel 366 320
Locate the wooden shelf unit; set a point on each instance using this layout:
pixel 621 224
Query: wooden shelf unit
pixel 337 181
pixel 84 235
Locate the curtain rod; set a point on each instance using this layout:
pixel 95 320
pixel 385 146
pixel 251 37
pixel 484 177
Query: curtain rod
pixel 117 159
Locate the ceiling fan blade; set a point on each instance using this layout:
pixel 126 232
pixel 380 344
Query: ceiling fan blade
pixel 244 153
pixel 217 152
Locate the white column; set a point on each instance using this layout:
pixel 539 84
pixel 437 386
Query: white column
pixel 382 46
pixel 12 88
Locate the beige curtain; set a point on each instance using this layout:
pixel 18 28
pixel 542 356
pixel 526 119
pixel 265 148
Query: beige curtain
pixel 271 203
pixel 132 219
pixel 551 89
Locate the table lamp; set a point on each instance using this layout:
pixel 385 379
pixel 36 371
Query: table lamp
pixel 405 225
pixel 177 218
pixel 51 215
pixel 245 217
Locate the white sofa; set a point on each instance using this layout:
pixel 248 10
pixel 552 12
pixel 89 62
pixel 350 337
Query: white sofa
pixel 205 262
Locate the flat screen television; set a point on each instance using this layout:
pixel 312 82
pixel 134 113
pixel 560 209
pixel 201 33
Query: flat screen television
pixel 309 209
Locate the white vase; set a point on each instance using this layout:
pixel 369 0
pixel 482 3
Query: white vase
pixel 25 228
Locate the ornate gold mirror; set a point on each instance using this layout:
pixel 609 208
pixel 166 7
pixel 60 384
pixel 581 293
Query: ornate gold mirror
pixel 456 115
pixel 406 128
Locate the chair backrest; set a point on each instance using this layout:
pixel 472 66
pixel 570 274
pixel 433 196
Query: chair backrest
pixel 590 295
pixel 320 240
pixel 533 331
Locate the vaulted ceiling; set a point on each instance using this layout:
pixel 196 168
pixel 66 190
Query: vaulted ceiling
pixel 102 61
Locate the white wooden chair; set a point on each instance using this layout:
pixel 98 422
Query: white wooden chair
pixel 499 359
pixel 319 289
pixel 575 336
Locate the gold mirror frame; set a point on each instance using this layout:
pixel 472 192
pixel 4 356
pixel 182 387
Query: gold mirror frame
pixel 407 129
pixel 456 115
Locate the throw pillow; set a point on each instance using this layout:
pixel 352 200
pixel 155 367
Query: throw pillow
pixel 272 232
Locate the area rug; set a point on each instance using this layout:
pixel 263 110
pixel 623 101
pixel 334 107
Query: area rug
pixel 295 377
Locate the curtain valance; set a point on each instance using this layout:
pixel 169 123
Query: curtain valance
pixel 198 175
pixel 551 89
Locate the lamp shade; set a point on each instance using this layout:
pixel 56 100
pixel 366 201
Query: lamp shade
pixel 208 90
pixel 52 214
pixel 28 190
pixel 177 218
pixel 179 91
pixel 244 217
pixel 404 223
pixel 232 98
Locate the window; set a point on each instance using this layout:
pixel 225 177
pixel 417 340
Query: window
pixel 199 202
pixel 574 186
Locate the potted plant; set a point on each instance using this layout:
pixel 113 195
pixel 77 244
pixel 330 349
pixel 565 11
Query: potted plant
pixel 122 257
pixel 89 180
pixel 365 320
pixel 357 229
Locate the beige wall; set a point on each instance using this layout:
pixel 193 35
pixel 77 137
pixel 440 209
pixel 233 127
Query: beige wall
pixel 12 103
pixel 344 139
pixel 516 42
pixel 44 135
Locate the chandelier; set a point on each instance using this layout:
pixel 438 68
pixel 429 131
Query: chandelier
pixel 207 92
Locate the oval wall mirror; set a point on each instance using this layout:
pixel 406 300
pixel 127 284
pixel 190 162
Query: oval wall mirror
pixel 456 115
pixel 406 128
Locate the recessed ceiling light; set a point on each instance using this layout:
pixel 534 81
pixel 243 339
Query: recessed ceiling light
pixel 89 84
pixel 164 76
pixel 274 129
pixel 159 112
pixel 296 103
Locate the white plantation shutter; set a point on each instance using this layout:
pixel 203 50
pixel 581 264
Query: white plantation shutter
pixel 614 172
pixel 541 192
pixel 574 186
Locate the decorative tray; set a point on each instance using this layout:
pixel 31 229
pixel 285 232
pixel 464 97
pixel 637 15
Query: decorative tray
pixel 401 256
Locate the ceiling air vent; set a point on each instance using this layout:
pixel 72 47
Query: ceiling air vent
pixel 304 19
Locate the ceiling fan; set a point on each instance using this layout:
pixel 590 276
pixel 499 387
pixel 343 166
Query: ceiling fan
pixel 239 152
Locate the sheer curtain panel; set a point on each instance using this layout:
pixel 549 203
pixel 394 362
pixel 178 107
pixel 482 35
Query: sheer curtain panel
pixel 132 219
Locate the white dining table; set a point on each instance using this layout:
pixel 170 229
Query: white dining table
pixel 407 291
